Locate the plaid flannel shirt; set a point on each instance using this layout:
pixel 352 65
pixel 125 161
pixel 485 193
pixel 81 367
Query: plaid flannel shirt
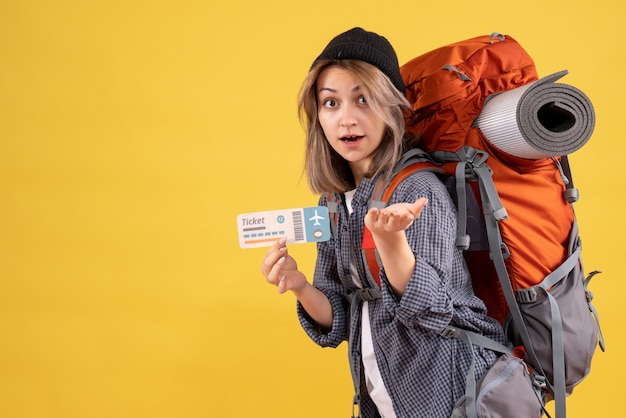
pixel 423 372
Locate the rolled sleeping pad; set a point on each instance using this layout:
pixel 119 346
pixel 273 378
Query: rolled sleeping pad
pixel 541 119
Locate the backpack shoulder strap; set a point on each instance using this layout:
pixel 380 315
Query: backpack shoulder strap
pixel 413 161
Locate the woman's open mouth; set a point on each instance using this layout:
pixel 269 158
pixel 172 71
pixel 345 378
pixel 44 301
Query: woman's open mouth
pixel 351 138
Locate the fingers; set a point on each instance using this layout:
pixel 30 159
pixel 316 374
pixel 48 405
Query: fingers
pixel 281 270
pixel 395 217
pixel 406 210
pixel 274 260
pixel 394 214
pixel 416 207
pixel 380 216
pixel 282 284
pixel 376 219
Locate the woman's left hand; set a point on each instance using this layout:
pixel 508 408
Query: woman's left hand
pixel 394 218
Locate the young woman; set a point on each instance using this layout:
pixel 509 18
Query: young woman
pixel 352 103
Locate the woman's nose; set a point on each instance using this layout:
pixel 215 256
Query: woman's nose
pixel 348 116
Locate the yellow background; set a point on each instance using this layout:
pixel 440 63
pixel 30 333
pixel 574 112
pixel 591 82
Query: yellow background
pixel 131 135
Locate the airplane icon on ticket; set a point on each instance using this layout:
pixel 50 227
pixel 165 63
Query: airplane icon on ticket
pixel 317 219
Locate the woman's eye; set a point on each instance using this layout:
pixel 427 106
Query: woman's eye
pixel 361 100
pixel 330 103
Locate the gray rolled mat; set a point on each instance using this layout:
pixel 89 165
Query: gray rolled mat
pixel 541 119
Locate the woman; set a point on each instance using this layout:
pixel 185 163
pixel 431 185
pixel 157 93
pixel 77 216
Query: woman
pixel 352 103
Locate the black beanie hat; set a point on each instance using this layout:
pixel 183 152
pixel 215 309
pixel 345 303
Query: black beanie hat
pixel 365 46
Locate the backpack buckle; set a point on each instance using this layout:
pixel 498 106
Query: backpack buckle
pixel 450 332
pixel 368 294
pixel 475 157
pixel 526 295
pixel 463 242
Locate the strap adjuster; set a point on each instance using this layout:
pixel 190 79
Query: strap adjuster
pixel 526 295
pixel 368 294
pixel 450 332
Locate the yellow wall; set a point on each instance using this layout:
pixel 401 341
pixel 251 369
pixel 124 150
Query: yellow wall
pixel 131 135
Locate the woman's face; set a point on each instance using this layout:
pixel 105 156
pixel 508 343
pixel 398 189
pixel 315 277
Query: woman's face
pixel 351 127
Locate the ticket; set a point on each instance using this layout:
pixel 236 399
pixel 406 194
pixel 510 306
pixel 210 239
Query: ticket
pixel 298 225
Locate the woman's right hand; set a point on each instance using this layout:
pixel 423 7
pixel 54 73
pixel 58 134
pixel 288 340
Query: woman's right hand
pixel 281 270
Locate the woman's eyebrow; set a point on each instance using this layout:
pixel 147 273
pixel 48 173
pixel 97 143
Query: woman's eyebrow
pixel 355 88
pixel 326 89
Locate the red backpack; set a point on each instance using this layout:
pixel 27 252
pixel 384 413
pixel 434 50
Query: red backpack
pixel 516 220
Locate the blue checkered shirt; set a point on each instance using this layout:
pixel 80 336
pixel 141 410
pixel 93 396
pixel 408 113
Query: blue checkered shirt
pixel 423 372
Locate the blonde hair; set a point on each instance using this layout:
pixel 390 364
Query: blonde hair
pixel 325 169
